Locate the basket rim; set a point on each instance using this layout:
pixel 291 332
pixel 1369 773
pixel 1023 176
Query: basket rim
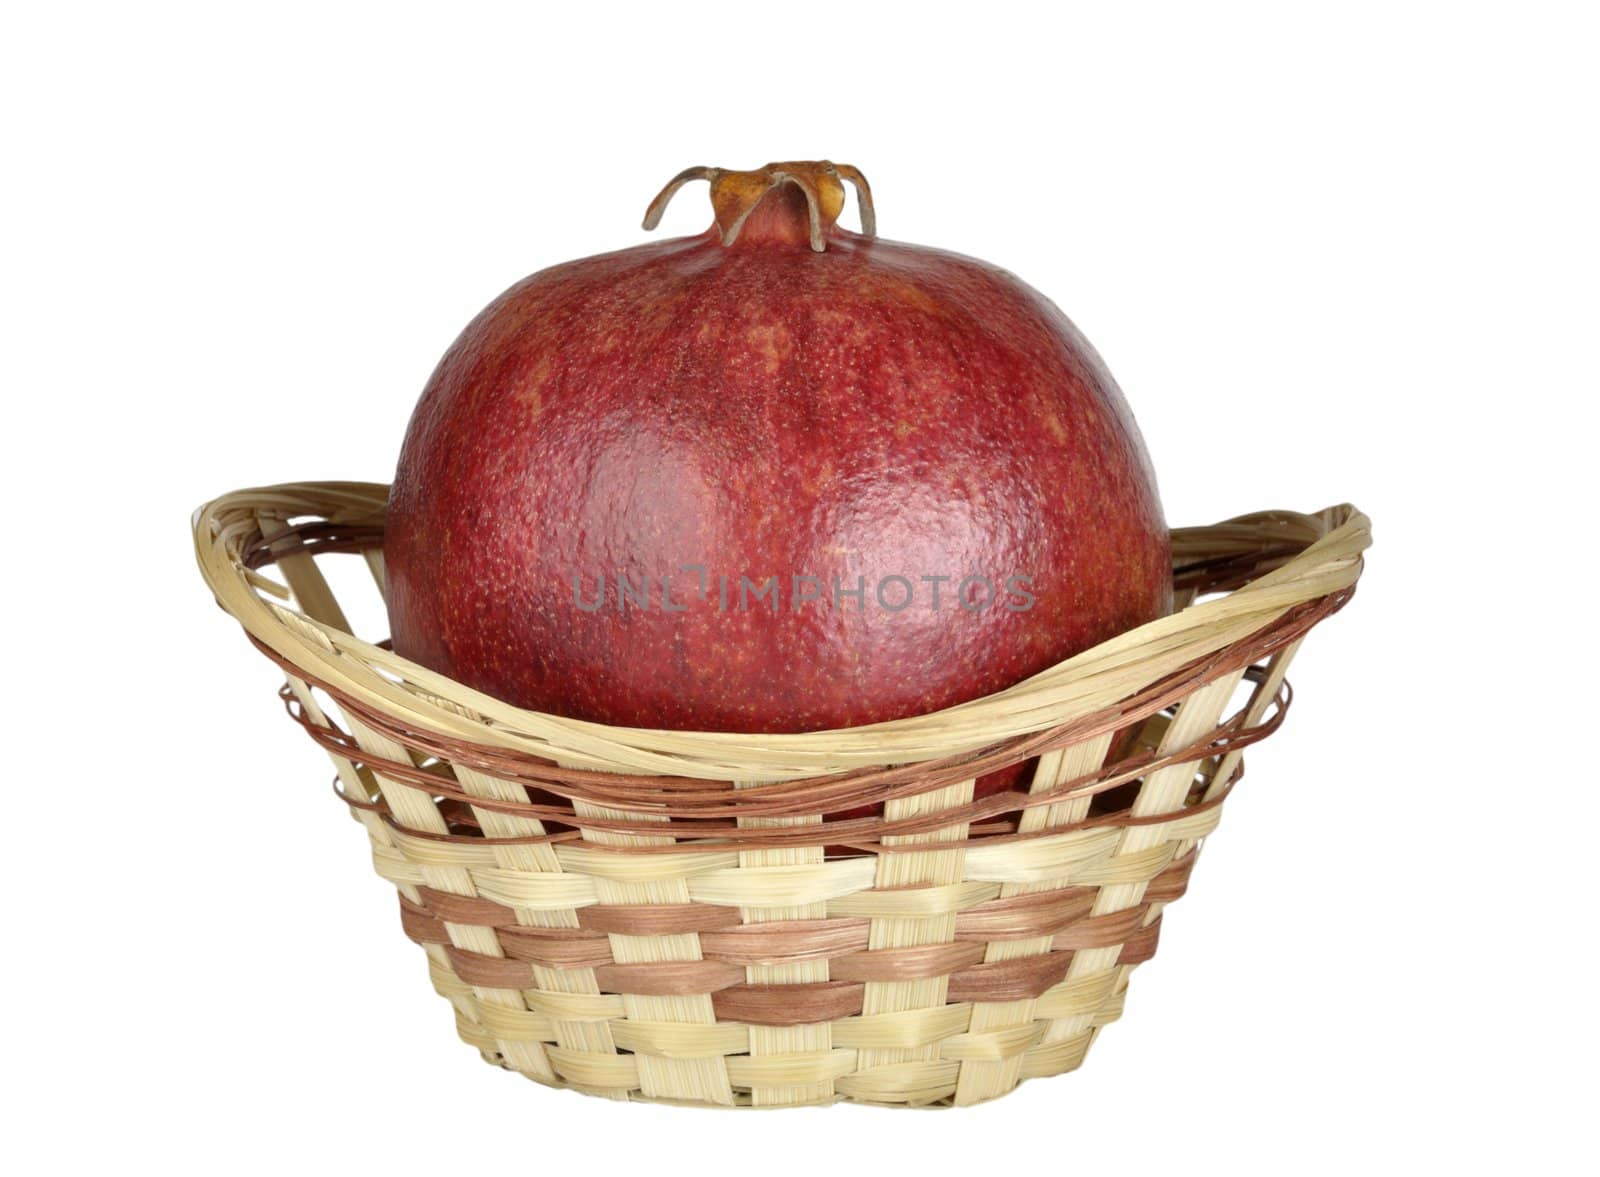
pixel 1262 564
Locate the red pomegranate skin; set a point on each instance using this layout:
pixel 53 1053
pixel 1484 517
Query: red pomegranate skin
pixel 762 409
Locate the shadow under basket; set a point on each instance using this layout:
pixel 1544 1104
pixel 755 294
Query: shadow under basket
pixel 687 917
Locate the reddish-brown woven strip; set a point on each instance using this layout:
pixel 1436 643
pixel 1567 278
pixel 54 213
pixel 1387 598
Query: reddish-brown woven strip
pixel 1171 883
pixel 1023 917
pixel 657 920
pixel 906 964
pixel 1101 931
pixel 420 925
pixel 669 978
pixel 1141 946
pixel 788 1005
pixel 786 941
pixel 573 950
pixel 1009 980
pixel 465 909
pixel 493 972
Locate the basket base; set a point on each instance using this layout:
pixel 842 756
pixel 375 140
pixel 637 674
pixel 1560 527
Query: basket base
pixel 744 1101
pixel 874 1087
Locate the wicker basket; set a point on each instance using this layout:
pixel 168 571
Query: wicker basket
pixel 681 916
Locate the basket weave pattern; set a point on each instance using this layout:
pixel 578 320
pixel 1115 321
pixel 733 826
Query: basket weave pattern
pixel 686 916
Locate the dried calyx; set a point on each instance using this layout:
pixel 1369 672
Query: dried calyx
pixel 734 196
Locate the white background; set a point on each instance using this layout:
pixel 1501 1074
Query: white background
pixel 1344 252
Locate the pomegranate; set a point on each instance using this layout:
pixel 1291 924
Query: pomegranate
pixel 776 476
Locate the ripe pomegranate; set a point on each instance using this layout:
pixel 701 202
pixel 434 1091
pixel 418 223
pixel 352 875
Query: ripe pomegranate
pixel 777 476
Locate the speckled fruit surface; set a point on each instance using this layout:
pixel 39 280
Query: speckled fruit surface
pixel 873 415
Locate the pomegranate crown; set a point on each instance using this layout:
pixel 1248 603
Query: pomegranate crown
pixel 734 195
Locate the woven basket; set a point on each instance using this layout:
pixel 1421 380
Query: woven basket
pixel 682 916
